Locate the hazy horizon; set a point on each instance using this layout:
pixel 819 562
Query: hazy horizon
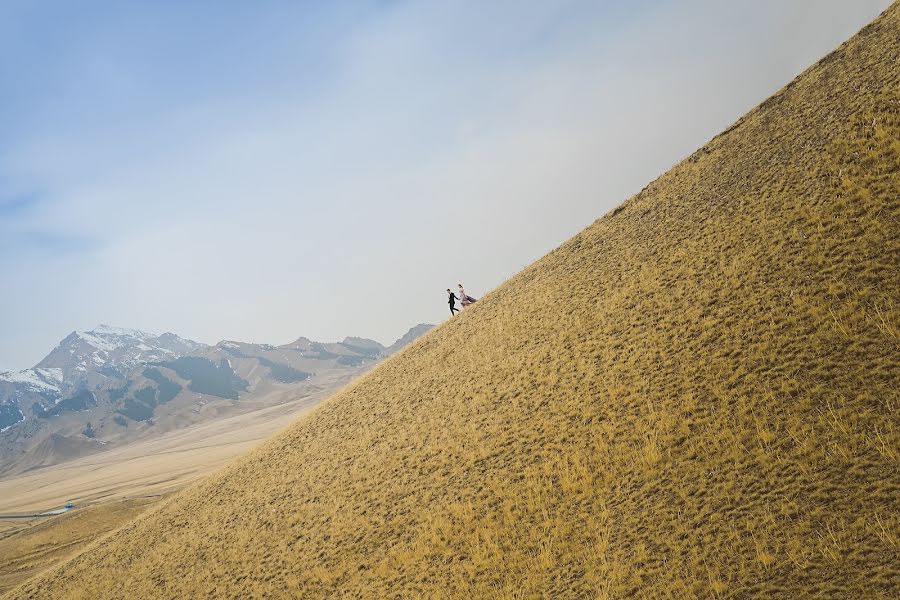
pixel 261 173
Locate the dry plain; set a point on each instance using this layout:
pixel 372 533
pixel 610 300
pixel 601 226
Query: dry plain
pixel 36 544
pixel 109 488
pixel 160 464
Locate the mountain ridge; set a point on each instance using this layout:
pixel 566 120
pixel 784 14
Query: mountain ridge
pixel 108 380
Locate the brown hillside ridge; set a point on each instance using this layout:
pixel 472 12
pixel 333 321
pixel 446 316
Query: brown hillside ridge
pixel 696 396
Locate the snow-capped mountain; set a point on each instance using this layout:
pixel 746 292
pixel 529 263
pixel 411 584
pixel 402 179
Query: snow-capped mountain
pixel 113 351
pixel 109 384
pixel 84 359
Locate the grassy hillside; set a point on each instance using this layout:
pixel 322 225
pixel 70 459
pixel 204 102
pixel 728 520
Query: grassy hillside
pixel 30 548
pixel 695 396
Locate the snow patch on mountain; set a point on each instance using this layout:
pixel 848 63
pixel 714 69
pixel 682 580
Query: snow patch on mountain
pixel 100 343
pixel 120 332
pixel 37 379
pixel 54 374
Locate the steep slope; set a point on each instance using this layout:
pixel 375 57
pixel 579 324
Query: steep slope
pixel 694 397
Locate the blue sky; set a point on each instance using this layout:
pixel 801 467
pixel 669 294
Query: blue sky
pixel 261 171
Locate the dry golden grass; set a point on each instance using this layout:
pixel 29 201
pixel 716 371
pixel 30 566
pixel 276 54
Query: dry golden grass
pixel 41 543
pixel 696 397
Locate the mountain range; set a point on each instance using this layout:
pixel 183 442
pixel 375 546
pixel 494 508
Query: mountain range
pixel 111 385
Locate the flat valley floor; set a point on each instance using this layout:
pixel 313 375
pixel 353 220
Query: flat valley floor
pixel 112 487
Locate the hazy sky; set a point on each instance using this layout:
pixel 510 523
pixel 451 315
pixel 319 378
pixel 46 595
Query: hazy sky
pixel 264 170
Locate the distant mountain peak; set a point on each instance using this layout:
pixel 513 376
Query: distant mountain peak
pixel 120 348
pixel 98 341
pixel 103 329
pixel 410 336
pixel 359 342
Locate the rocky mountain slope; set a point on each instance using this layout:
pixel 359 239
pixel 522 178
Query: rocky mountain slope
pixel 113 351
pixel 83 360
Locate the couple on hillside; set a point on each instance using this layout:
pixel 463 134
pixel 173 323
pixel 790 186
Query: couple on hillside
pixel 464 299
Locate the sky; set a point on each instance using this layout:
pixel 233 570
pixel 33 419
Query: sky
pixel 259 171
